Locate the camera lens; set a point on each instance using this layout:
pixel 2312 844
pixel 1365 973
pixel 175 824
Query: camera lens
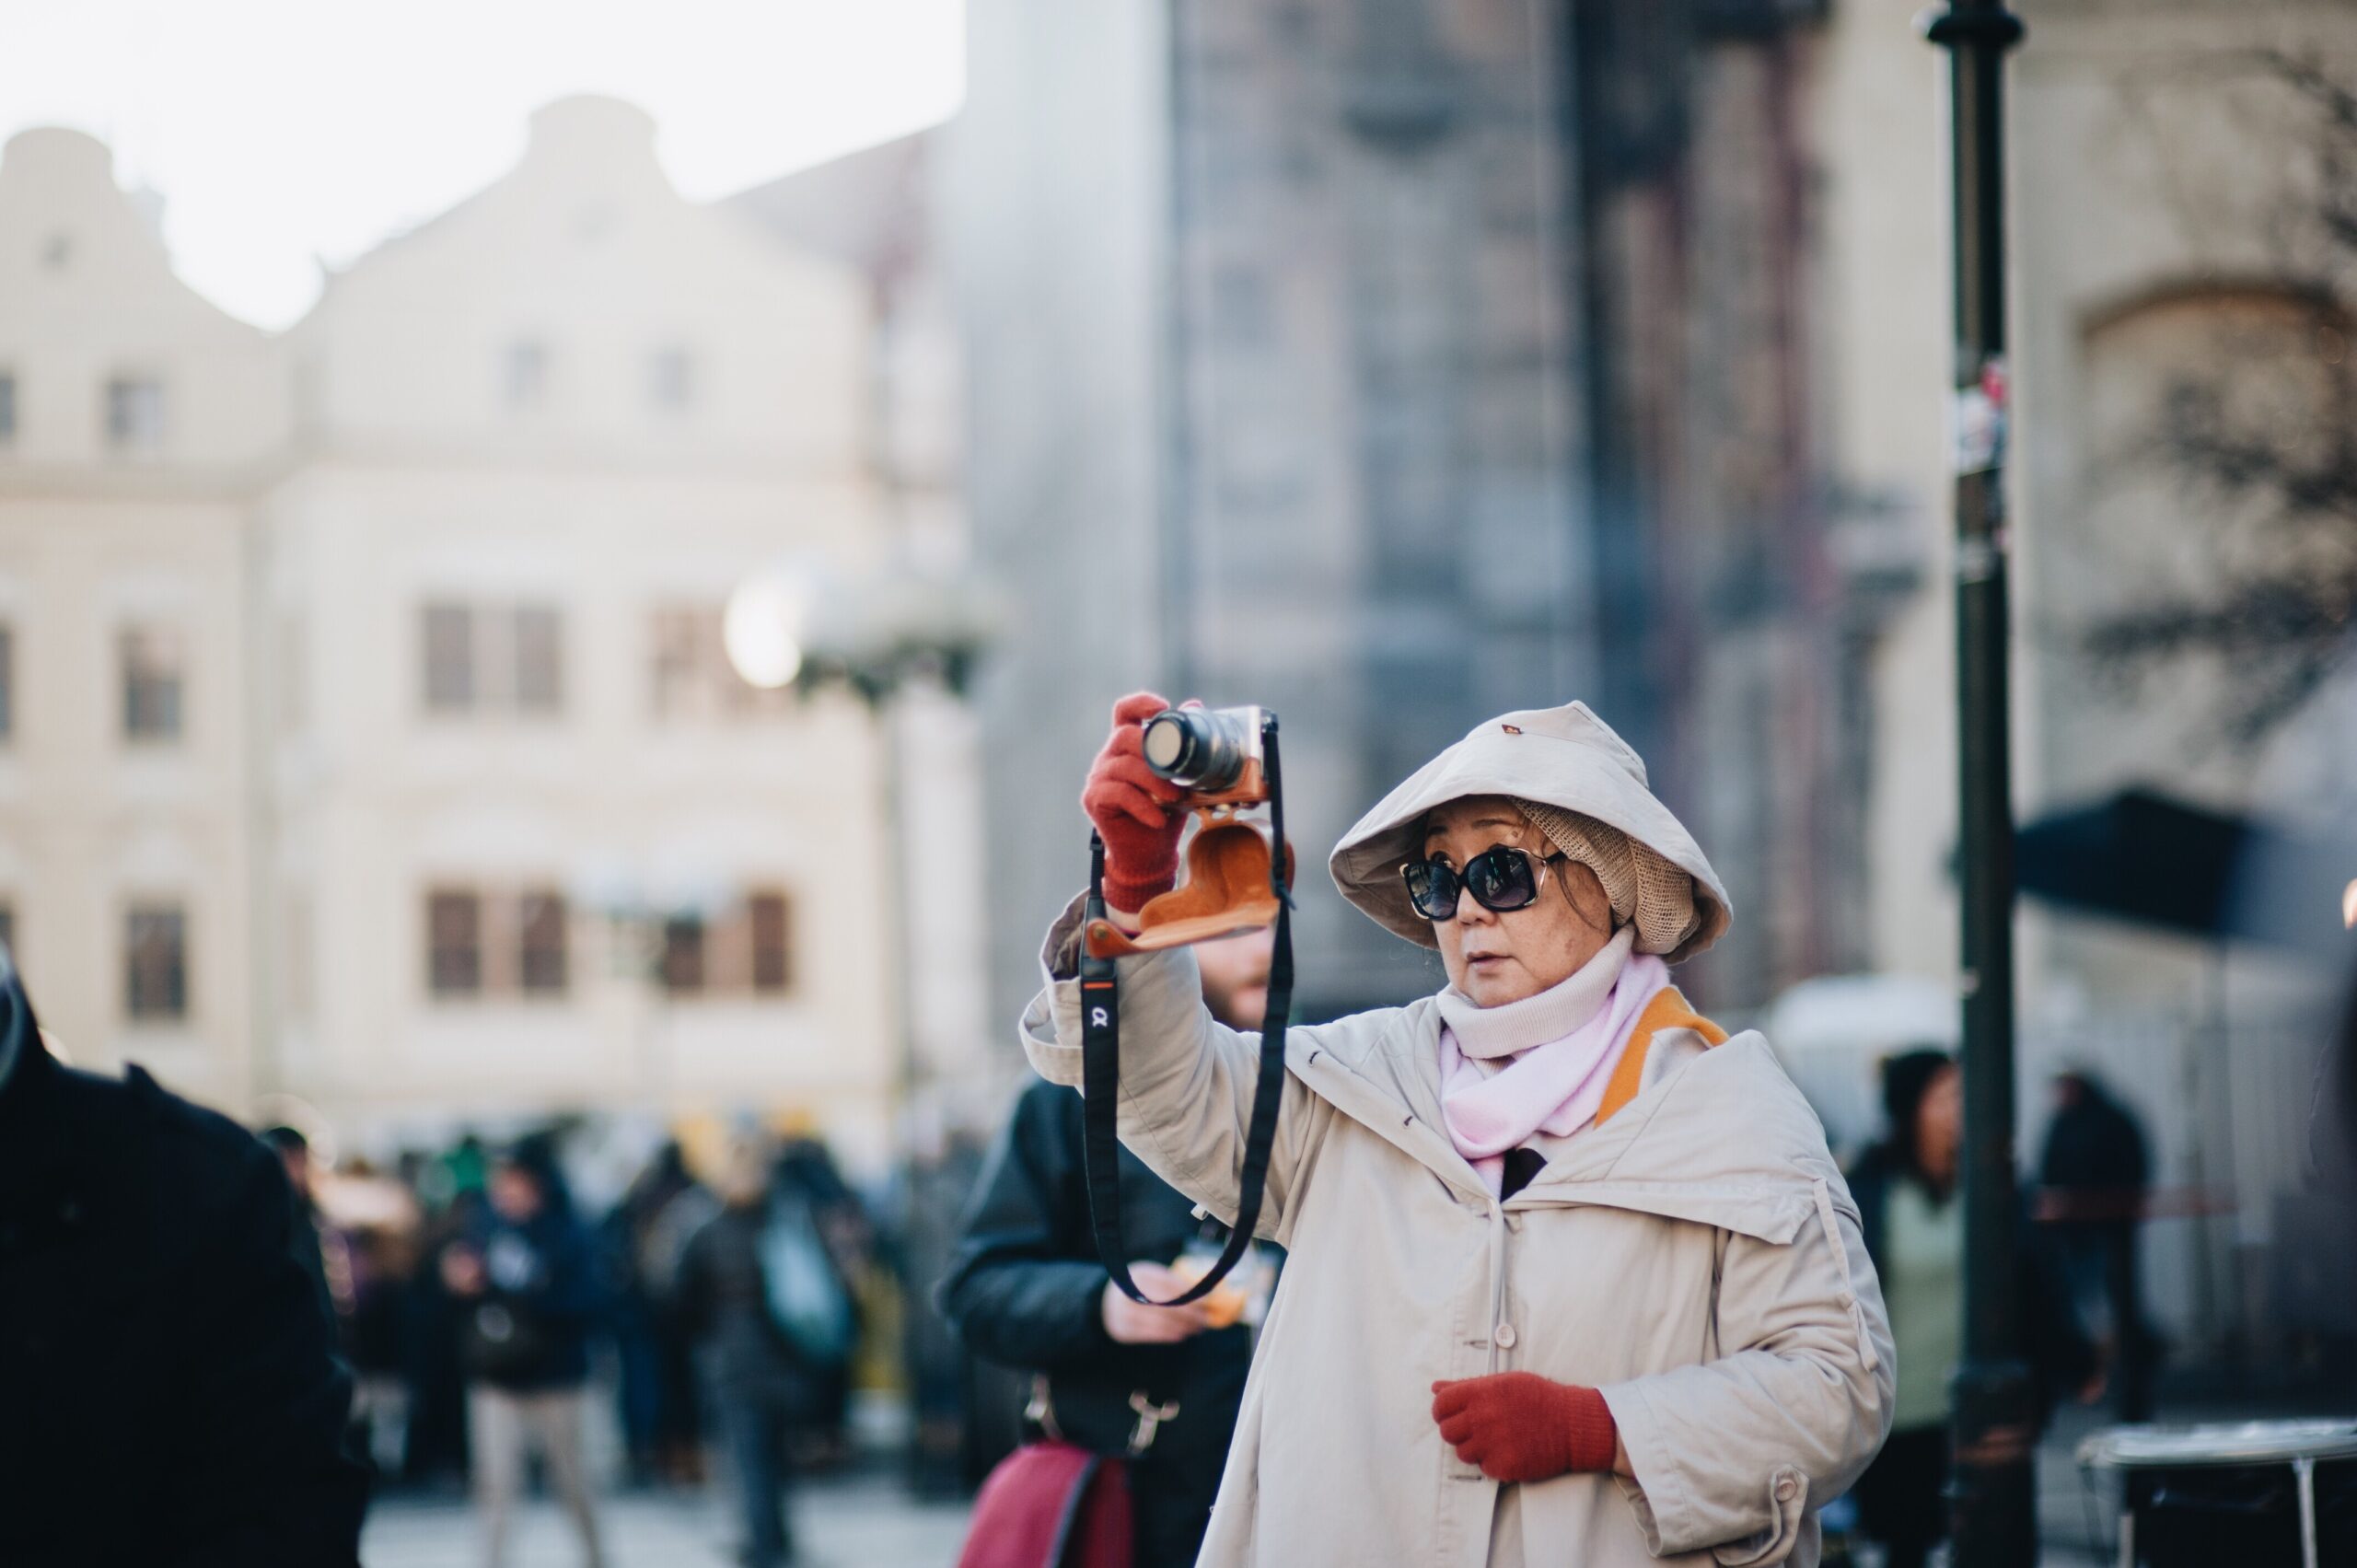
pixel 1199 749
pixel 1167 741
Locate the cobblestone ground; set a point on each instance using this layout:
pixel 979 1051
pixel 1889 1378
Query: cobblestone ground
pixel 863 1523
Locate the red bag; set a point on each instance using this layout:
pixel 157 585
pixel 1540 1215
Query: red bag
pixel 1052 1505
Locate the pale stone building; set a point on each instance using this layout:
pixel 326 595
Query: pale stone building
pixel 456 810
pixel 545 843
pixel 137 423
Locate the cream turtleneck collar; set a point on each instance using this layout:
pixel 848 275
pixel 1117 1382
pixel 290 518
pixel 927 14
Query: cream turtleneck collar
pixel 1516 1026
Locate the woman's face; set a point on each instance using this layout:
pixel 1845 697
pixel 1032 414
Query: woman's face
pixel 1939 1126
pixel 1497 957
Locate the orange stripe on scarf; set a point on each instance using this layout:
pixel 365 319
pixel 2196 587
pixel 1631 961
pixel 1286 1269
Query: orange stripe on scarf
pixel 1667 1010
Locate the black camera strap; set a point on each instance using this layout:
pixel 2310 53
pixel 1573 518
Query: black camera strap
pixel 1100 1037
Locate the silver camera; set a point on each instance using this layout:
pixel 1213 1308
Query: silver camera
pixel 1211 753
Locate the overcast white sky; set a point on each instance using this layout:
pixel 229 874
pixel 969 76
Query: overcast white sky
pixel 278 131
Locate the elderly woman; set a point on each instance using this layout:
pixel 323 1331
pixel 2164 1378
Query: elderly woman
pixel 1573 1277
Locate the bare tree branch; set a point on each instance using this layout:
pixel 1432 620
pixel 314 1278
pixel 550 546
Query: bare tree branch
pixel 2280 619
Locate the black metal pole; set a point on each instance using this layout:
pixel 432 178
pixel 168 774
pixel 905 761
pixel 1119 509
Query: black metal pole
pixel 1993 1490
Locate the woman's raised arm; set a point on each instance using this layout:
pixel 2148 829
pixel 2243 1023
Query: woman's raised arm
pixel 1187 1079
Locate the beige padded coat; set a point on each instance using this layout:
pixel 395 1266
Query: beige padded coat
pixel 1697 1258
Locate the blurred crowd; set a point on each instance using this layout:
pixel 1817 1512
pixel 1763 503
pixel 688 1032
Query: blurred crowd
pixel 483 1309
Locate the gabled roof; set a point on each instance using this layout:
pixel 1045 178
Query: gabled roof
pixel 868 209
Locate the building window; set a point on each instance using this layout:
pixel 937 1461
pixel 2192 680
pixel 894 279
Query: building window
pixel 299 971
pixel 294 676
pixel 540 659
pixel 484 942
pixel 748 950
pixel 676 659
pixel 154 666
pixel 155 963
pixel 135 413
pixel 526 382
pixel 7 407
pixel 691 676
pixel 487 658
pixel 682 958
pixel 450 643
pixel 671 380
pixel 453 942
pixel 541 945
pixel 772 941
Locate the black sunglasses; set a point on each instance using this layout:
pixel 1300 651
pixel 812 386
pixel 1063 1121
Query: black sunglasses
pixel 1501 877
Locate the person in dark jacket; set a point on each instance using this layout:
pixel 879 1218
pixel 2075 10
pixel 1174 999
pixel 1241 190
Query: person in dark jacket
pixel 642 1239
pixel 2093 1171
pixel 2339 1103
pixel 1028 1291
pixel 760 1381
pixel 1913 1225
pixel 527 1282
pixel 169 1397
pixel 805 1173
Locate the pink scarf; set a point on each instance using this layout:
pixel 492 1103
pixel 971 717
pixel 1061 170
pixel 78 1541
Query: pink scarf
pixel 1540 1064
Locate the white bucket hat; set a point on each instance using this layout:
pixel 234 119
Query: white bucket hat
pixel 1565 758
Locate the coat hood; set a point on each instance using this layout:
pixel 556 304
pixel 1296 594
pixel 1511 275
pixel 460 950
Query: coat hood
pixel 1563 757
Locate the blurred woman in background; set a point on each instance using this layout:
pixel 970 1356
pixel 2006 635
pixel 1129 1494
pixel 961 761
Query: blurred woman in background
pixel 1906 1189
pixel 1915 1227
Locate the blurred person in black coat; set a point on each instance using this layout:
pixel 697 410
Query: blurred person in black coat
pixel 169 1396
pixel 772 1326
pixel 526 1278
pixel 642 1239
pixel 1028 1291
pixel 2093 1171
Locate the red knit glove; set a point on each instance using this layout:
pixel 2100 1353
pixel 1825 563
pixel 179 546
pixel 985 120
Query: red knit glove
pixel 1519 1426
pixel 1127 801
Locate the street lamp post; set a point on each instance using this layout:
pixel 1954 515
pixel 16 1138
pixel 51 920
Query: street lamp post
pixel 1995 1421
pixel 636 915
pixel 877 635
